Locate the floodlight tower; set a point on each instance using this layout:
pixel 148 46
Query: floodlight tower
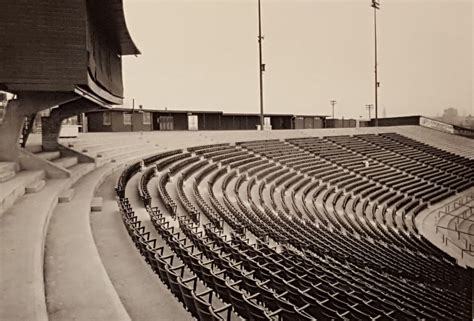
pixel 376 6
pixel 261 65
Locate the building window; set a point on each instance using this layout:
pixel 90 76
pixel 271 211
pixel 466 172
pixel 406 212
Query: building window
pixel 127 119
pixel 146 118
pixel 107 118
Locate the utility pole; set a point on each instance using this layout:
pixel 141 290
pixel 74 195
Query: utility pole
pixel 131 116
pixel 333 102
pixel 261 66
pixel 369 107
pixel 376 6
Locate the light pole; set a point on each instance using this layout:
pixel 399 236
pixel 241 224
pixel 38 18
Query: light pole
pixel 376 6
pixel 369 107
pixel 333 102
pixel 131 116
pixel 261 65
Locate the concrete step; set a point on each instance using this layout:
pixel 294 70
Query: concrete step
pixel 12 190
pixel 22 252
pixel 129 158
pixel 83 291
pixel 128 274
pixel 35 186
pixel 6 176
pixel 96 204
pixel 50 156
pixel 124 154
pixel 119 147
pixel 34 148
pixel 66 162
pixel 79 170
pixel 7 171
pixel 66 196
pixel 87 146
pixel 98 147
pixel 9 166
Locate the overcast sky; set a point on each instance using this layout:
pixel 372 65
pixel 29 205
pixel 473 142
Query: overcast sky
pixel 203 55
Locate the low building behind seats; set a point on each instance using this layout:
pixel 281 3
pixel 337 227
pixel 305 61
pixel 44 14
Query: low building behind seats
pixel 340 123
pixel 120 120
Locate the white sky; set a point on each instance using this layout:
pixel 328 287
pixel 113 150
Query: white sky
pixel 203 55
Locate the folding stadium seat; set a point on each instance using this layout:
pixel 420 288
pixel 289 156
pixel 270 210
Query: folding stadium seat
pixel 187 294
pixel 319 310
pixel 237 299
pixel 205 310
pixel 205 273
pixel 173 280
pixel 216 313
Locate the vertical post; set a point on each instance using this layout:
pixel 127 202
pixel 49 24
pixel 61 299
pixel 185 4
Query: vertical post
pixel 376 6
pixel 369 107
pixel 376 71
pixel 333 102
pixel 131 117
pixel 472 293
pixel 261 65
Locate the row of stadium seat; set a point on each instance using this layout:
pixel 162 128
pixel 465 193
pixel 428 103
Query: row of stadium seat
pixel 302 229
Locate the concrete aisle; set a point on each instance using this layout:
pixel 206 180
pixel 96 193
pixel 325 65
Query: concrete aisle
pixel 142 293
pixel 22 236
pixel 77 284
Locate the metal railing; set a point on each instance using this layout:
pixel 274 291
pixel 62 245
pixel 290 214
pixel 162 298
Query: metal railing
pixel 463 244
pixel 468 250
pixel 462 201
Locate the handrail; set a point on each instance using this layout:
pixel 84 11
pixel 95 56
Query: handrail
pixel 455 230
pixel 463 200
pixel 469 248
pixel 462 215
pixel 463 245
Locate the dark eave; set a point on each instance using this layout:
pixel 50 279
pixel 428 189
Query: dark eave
pixel 110 15
pixel 127 46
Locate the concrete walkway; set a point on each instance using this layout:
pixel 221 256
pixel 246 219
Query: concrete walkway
pixel 77 284
pixel 22 234
pixel 142 293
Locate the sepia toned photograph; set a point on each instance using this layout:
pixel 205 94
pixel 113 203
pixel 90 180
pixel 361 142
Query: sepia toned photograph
pixel 287 160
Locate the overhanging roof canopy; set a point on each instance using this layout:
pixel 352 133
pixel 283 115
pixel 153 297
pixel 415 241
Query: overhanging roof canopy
pixel 112 17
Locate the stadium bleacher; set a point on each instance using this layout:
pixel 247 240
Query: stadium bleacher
pixel 245 229
pixel 325 224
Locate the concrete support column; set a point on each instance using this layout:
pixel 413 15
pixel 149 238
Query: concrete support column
pixel 50 129
pixel 51 126
pixel 25 104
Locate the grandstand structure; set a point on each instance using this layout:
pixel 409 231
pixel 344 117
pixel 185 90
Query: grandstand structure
pixel 318 227
pixel 301 224
pixel 73 62
pixel 363 223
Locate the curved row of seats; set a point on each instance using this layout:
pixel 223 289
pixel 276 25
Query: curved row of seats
pixel 302 229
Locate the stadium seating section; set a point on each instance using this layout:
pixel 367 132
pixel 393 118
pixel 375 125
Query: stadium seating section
pixel 301 228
